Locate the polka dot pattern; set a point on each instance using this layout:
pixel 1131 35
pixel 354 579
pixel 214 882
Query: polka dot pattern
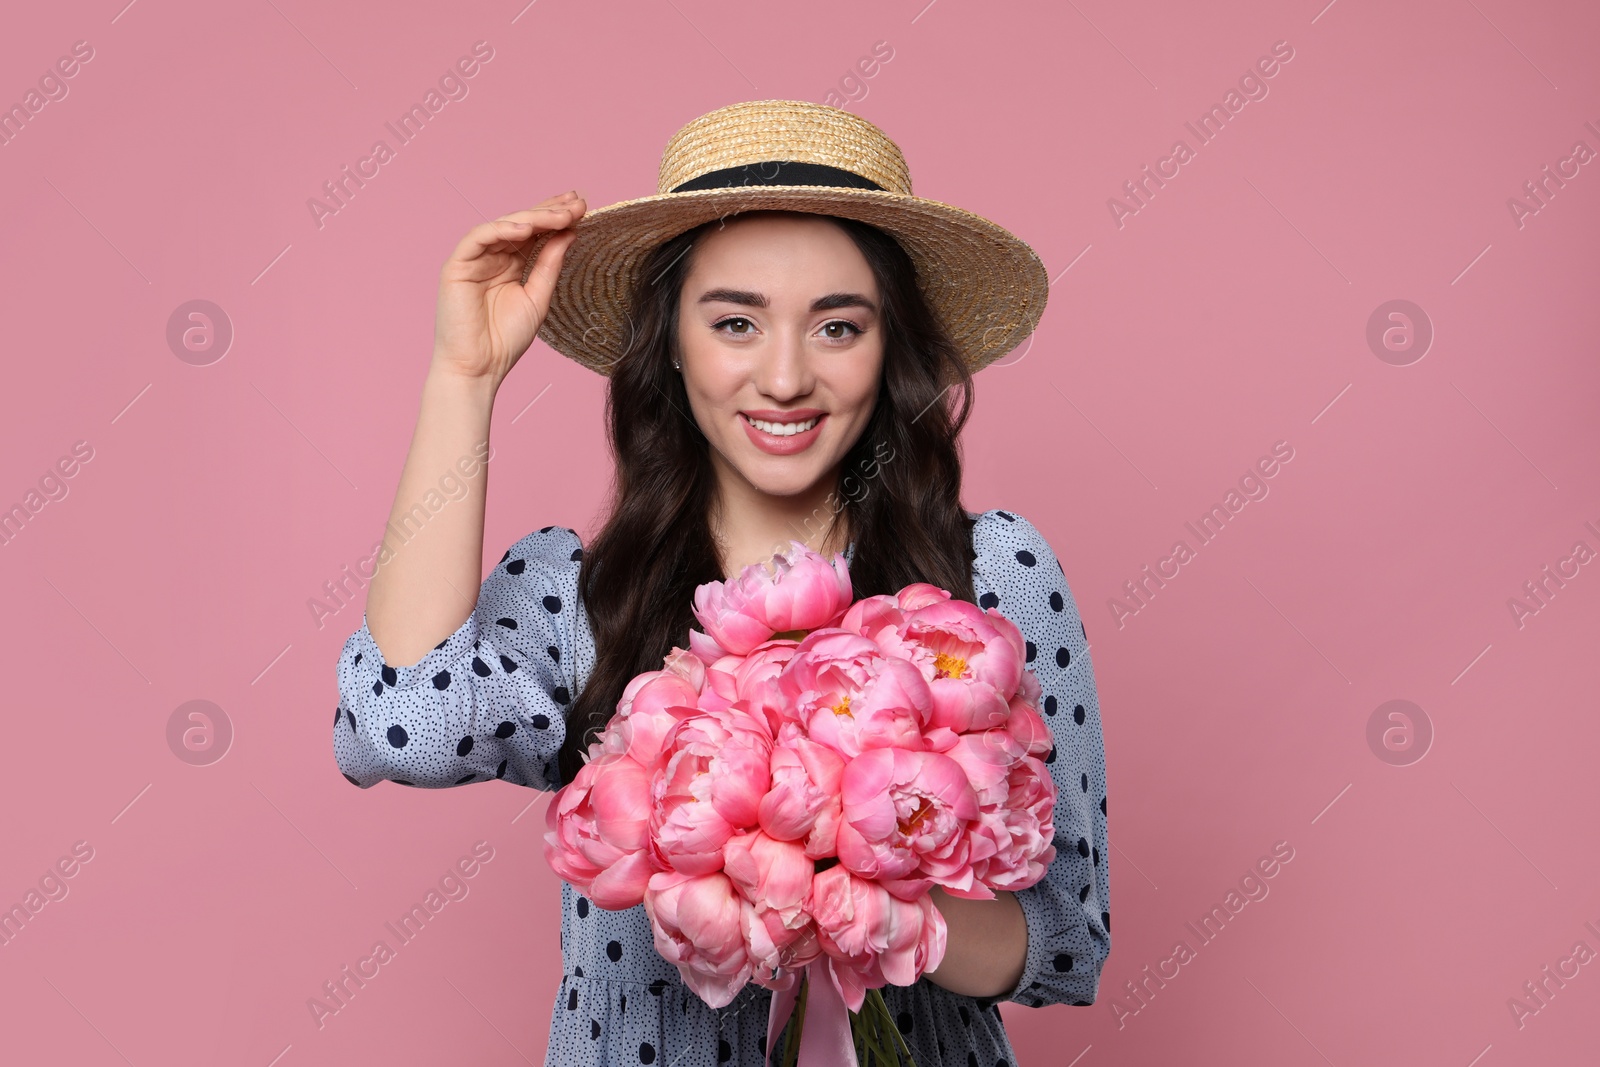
pixel 490 702
pixel 483 703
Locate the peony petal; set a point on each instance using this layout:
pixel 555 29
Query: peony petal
pixel 623 884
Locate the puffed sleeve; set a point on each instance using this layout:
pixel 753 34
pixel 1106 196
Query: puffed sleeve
pixel 489 701
pixel 1068 912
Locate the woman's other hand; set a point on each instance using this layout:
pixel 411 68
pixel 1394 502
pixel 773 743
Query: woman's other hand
pixel 486 318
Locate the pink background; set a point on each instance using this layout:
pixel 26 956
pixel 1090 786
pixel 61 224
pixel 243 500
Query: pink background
pixel 1229 313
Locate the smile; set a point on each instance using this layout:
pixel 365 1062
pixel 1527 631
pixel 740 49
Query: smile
pixel 783 438
pixel 783 429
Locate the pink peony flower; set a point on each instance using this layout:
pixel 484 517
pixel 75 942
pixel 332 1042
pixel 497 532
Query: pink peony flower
pixel 705 648
pixel 698 925
pixel 1027 728
pixel 987 757
pixel 773 875
pixel 920 595
pixel 953 641
pixel 716 772
pixel 873 938
pixel 802 590
pixel 1019 830
pixel 774 878
pixel 852 697
pixel 1029 689
pixel 906 812
pixel 596 831
pixel 897 737
pixel 751 678
pixel 776 962
pixel 872 615
pixel 687 665
pixel 651 705
pixel 803 803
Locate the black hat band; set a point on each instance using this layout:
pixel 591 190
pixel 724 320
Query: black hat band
pixel 778 172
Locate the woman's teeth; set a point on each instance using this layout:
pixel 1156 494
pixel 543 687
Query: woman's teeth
pixel 782 429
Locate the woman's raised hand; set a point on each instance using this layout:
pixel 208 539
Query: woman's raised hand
pixel 486 318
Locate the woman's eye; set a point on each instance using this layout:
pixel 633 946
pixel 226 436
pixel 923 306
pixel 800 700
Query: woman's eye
pixel 837 330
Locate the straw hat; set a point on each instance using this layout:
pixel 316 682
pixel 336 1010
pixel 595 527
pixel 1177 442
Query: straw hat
pixel 986 285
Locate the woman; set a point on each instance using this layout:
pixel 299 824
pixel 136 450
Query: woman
pixel 782 325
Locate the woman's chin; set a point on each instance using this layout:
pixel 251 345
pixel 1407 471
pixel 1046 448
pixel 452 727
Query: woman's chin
pixel 782 476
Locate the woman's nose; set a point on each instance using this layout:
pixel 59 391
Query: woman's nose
pixel 784 369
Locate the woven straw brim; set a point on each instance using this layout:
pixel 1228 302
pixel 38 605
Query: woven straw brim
pixel 987 287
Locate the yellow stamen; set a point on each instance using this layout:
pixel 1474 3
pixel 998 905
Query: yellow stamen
pixel 924 809
pixel 949 666
pixel 843 707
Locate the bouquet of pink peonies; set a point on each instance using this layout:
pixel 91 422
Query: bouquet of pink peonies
pixel 781 796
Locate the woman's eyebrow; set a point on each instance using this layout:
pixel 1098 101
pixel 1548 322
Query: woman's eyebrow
pixel 749 298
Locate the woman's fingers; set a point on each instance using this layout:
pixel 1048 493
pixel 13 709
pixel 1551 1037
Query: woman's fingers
pixel 557 213
pixel 546 267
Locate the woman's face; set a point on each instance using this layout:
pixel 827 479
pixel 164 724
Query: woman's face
pixel 779 323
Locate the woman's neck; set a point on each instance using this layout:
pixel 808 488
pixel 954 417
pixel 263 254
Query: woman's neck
pixel 752 527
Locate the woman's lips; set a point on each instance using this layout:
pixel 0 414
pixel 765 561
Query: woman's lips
pixel 777 445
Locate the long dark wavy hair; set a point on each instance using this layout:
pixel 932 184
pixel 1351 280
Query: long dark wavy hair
pixel 899 491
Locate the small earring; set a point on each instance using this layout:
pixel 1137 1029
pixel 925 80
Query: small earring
pixel 676 365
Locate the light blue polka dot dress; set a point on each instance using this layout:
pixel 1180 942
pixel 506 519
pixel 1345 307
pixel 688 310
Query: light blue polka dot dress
pixel 490 702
